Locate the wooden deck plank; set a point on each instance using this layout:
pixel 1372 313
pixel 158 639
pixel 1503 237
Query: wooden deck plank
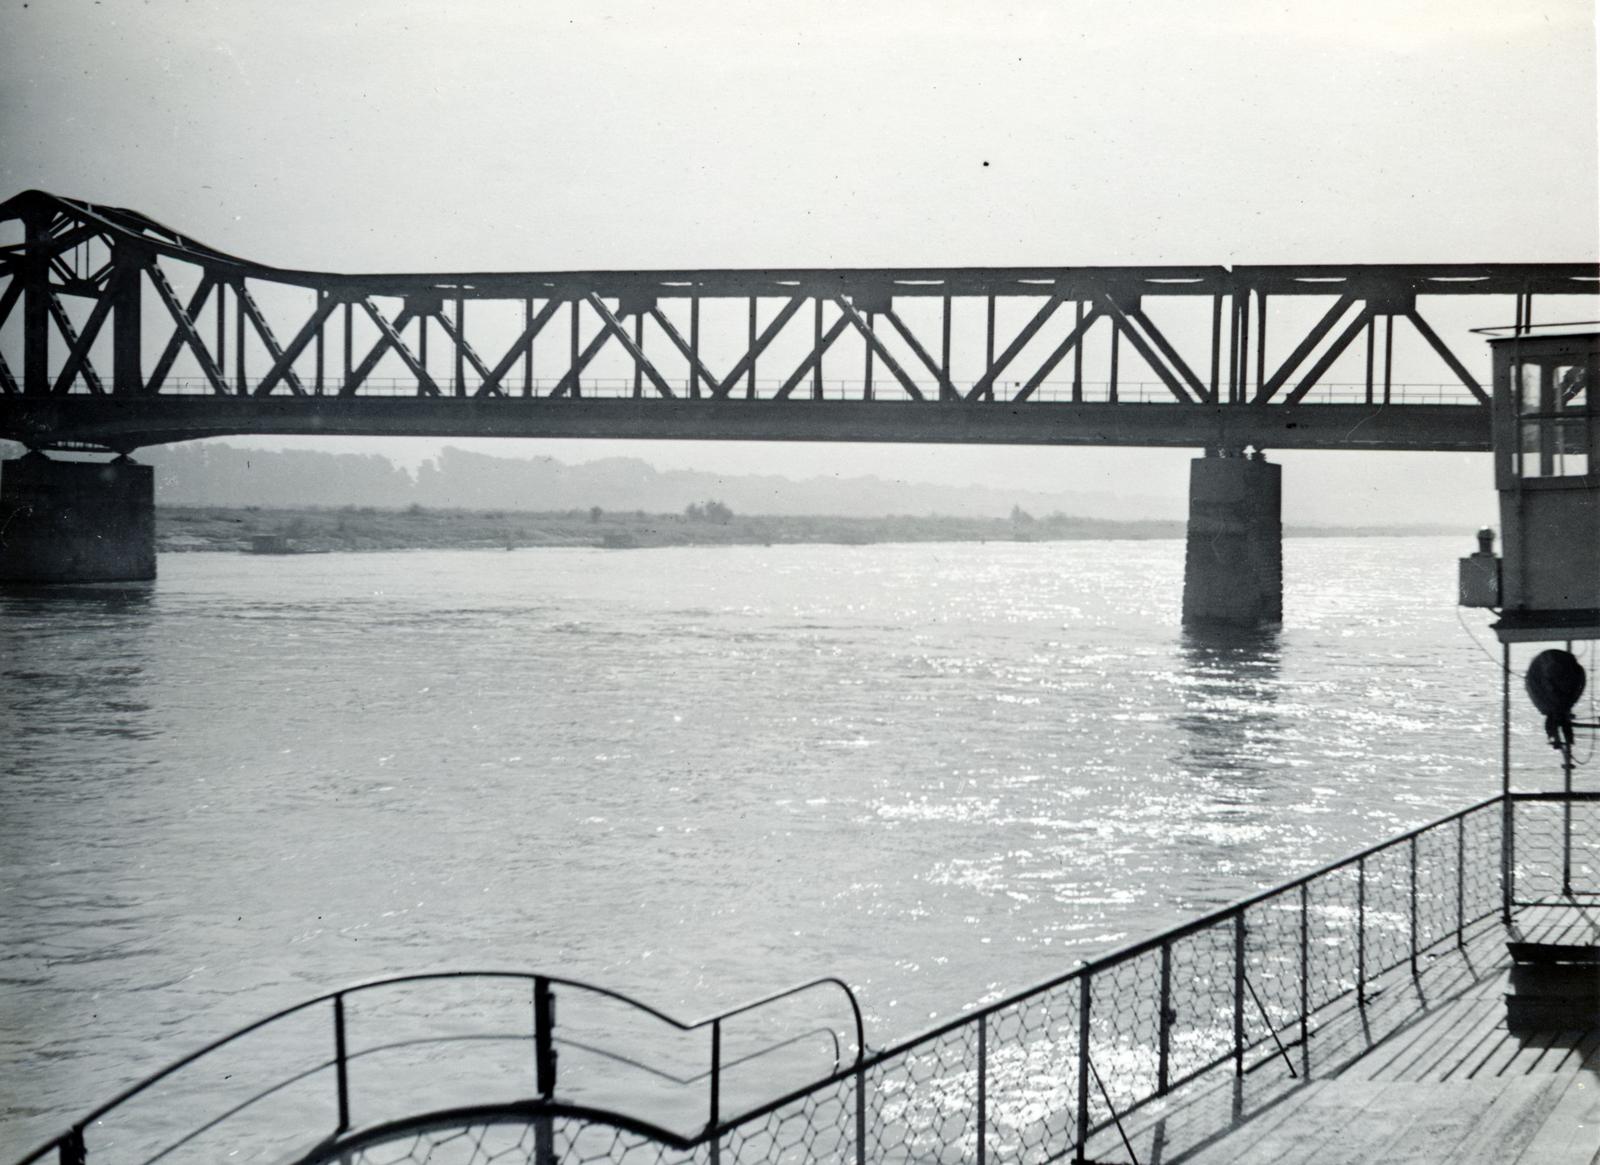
pixel 1397 1003
pixel 1411 1123
pixel 1403 1044
pixel 1446 1027
pixel 1514 1114
pixel 1440 1127
pixel 1497 1051
pixel 1571 1130
pixel 1581 1052
pixel 1354 1122
pixel 1323 1124
pixel 1540 1052
pixel 1444 1060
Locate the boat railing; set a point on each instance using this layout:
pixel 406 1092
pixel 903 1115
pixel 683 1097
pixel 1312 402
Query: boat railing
pixel 374 1054
pixel 1034 1076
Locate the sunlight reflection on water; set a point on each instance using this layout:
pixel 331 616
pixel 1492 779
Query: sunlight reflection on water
pixel 939 771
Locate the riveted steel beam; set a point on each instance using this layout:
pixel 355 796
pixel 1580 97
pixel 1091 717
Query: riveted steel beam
pixel 120 421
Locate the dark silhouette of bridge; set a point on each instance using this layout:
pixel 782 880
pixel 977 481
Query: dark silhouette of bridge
pixel 132 334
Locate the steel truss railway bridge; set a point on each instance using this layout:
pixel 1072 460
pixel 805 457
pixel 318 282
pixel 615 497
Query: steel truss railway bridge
pixel 117 332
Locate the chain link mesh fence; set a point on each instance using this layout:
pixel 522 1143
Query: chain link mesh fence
pixel 1030 1079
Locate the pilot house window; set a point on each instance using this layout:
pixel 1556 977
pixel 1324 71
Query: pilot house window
pixel 1553 416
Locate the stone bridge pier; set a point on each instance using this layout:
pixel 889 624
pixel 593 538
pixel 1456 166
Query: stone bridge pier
pixel 76 521
pixel 1233 556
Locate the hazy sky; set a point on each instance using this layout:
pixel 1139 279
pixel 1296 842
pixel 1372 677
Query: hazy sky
pixel 476 135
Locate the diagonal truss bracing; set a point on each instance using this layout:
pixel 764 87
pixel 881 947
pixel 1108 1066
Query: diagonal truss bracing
pixel 75 274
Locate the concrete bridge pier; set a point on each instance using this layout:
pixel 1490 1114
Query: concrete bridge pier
pixel 1233 559
pixel 76 521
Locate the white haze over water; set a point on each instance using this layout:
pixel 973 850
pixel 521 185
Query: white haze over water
pixel 1320 488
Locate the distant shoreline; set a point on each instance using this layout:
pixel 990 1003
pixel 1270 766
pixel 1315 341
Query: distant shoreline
pixel 181 529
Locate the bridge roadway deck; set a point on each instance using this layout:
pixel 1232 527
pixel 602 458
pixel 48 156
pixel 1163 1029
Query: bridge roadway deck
pixel 1386 1084
pixel 128 422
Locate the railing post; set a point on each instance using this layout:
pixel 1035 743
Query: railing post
pixel 1164 1047
pixel 1305 966
pixel 1508 858
pixel 544 1064
pixel 1461 880
pixel 1566 821
pixel 716 1072
pixel 983 1090
pixel 716 1090
pixel 341 1063
pixel 1361 931
pixel 1081 1156
pixel 1508 831
pixel 544 1022
pixel 1238 994
pixel 72 1149
pixel 861 1116
pixel 1412 847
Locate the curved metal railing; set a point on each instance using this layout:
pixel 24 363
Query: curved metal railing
pixel 547 1039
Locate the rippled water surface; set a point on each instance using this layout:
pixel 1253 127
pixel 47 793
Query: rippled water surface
pixel 697 774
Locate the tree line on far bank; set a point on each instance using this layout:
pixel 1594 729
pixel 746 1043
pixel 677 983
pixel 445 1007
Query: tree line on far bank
pixel 217 474
pixel 180 528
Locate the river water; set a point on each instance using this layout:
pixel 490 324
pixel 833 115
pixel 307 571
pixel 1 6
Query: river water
pixel 693 774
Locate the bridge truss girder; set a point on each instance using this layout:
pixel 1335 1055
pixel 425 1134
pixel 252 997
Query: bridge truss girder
pixel 122 423
pixel 100 306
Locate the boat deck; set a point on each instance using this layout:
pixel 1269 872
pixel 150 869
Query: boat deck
pixel 1425 1072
